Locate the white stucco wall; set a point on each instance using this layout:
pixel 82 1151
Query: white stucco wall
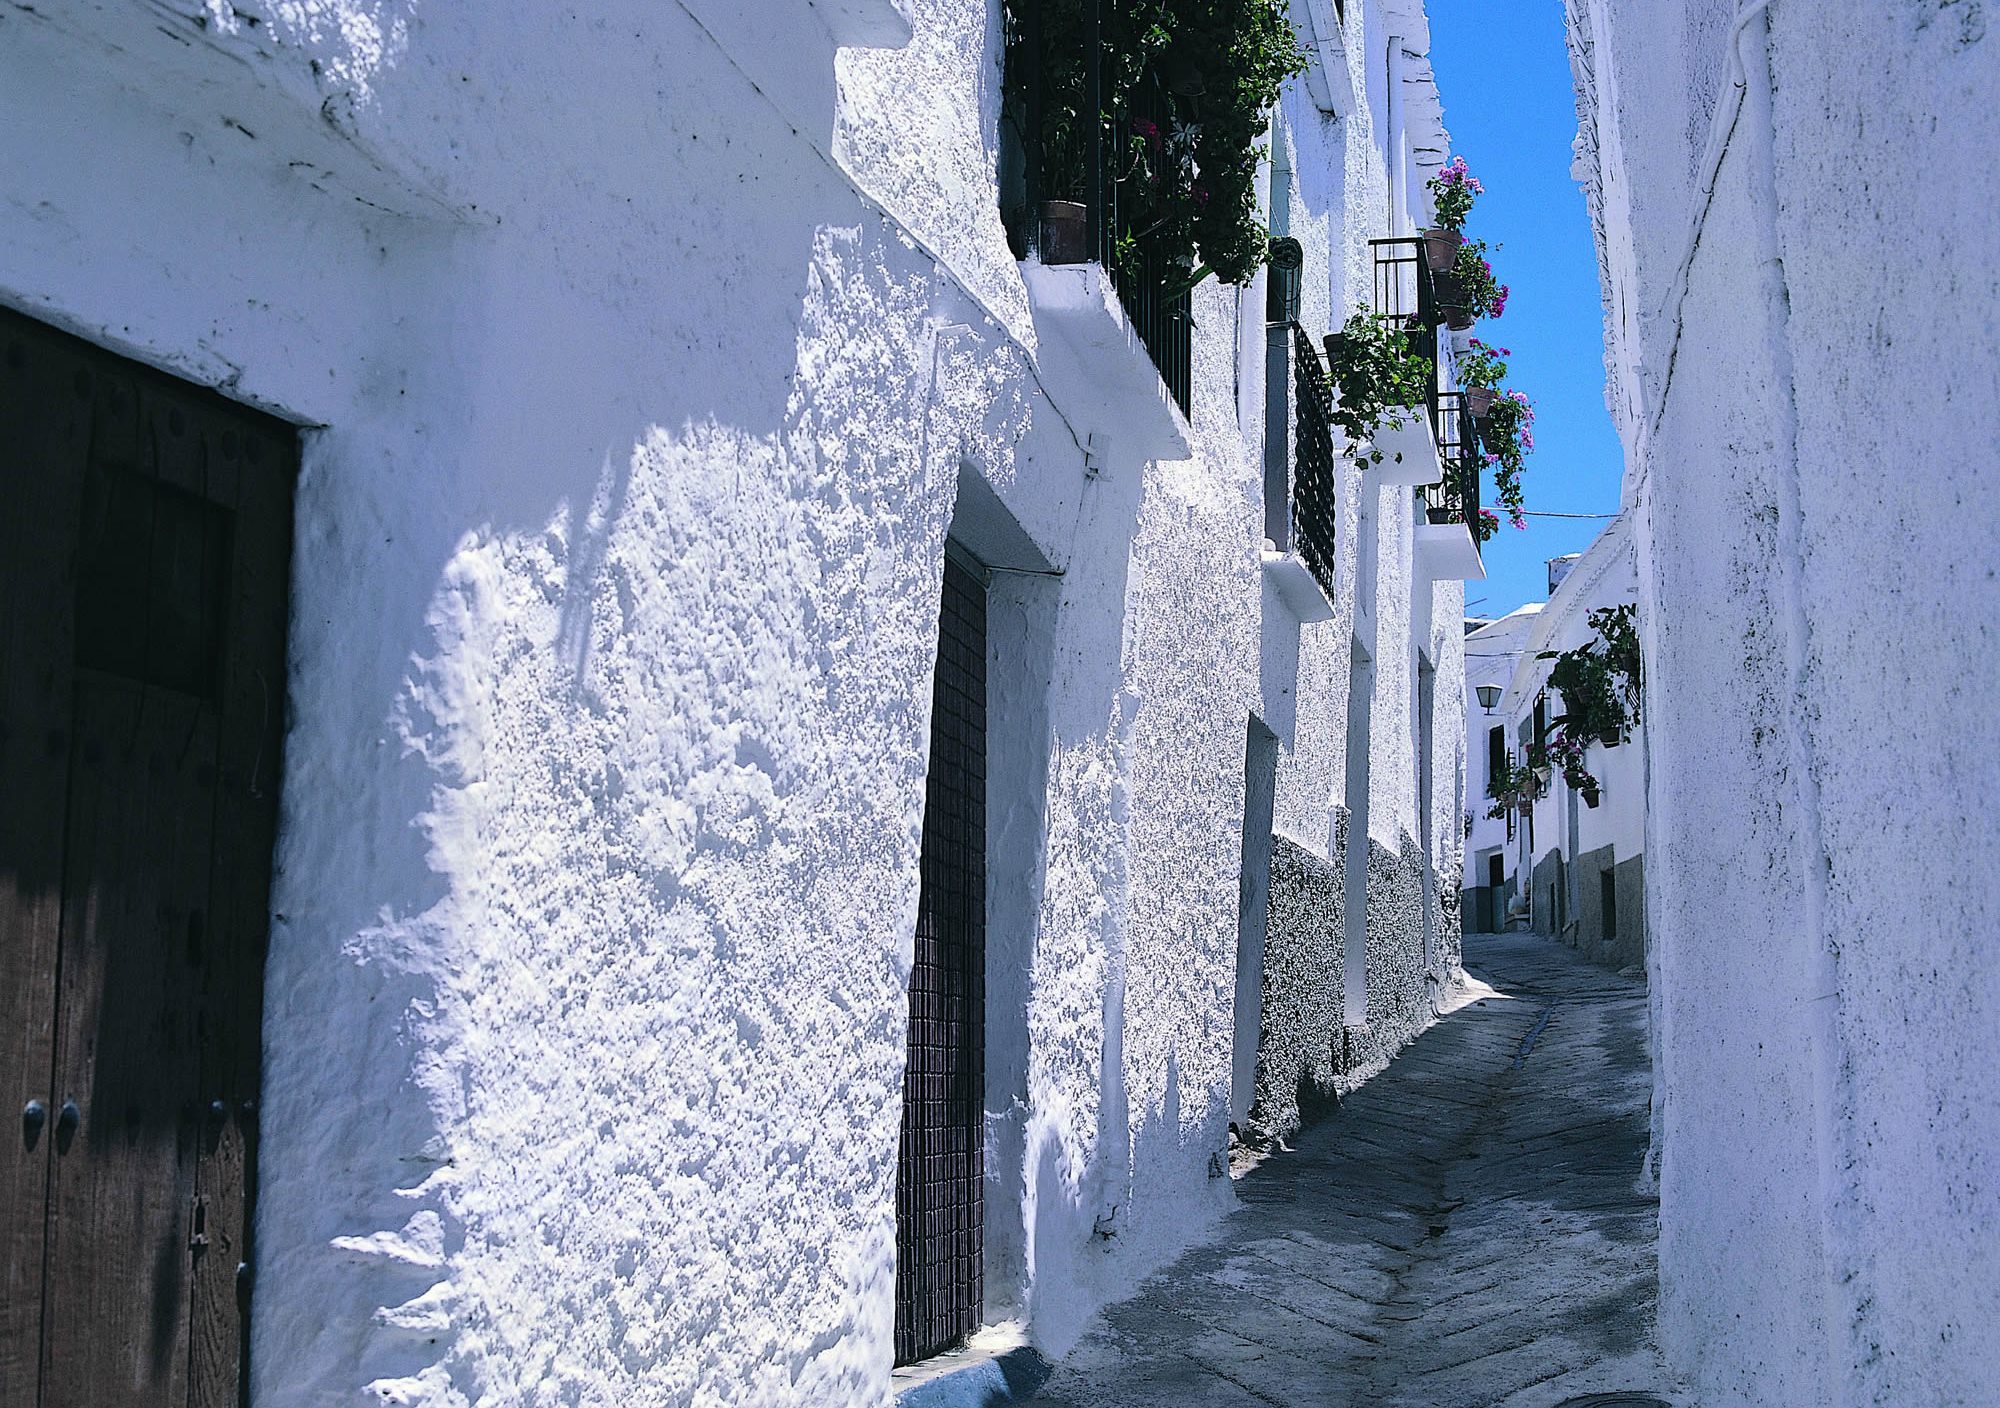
pixel 1805 466
pixel 642 352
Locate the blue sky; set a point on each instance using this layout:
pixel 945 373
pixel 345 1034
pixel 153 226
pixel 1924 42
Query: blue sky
pixel 1504 75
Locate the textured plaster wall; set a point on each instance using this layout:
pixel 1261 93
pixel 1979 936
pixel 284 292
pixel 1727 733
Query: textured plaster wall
pixel 643 351
pixel 1811 569
pixel 1334 198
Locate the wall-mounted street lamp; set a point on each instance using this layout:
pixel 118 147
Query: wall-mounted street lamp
pixel 1489 695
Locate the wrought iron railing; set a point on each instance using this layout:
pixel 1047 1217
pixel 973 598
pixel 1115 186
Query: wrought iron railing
pixel 1316 470
pixel 1152 281
pixel 1455 497
pixel 1405 292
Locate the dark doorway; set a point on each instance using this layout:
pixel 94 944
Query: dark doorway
pixel 145 542
pixel 1492 903
pixel 940 1173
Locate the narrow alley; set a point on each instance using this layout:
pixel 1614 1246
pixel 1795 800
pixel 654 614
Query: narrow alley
pixel 1467 1228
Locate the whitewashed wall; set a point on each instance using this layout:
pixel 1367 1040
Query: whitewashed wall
pixel 642 352
pixel 1333 195
pixel 1806 396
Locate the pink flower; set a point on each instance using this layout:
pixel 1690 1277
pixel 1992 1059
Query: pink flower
pixel 1200 194
pixel 1519 522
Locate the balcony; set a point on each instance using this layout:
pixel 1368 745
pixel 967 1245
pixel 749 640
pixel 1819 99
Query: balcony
pixel 1448 511
pixel 1067 204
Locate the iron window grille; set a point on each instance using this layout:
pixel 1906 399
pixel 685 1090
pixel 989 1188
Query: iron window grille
pixel 1455 497
pixel 1316 468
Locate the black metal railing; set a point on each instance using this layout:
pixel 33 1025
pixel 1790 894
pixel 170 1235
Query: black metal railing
pixel 1152 281
pixel 1455 497
pixel 1316 470
pixel 1405 292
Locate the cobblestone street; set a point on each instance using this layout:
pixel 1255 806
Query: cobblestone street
pixel 1465 1231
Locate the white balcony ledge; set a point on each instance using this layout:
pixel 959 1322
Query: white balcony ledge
pixel 1095 368
pixel 1296 586
pixel 1409 454
pixel 864 24
pixel 1447 553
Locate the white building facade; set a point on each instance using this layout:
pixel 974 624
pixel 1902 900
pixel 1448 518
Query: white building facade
pixel 1572 867
pixel 1793 206
pixel 626 392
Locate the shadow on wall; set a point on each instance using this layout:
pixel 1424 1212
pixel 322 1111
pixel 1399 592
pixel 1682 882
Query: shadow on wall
pixel 660 531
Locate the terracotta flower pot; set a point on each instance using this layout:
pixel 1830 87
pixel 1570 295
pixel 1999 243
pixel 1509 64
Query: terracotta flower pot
pixel 1441 249
pixel 1065 232
pixel 1591 797
pixel 1609 738
pixel 1458 317
pixel 1479 400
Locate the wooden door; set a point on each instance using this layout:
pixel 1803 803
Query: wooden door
pixel 145 531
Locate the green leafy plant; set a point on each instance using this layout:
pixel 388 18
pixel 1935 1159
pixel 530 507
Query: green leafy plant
pixel 1471 285
pixel 1382 380
pixel 1513 785
pixel 1453 188
pixel 1509 433
pixel 1600 686
pixel 1187 88
pixel 1481 367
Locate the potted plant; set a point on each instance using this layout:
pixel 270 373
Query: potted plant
pixel 1512 787
pixel 1508 432
pixel 1187 87
pixel 1452 188
pixel 1381 381
pixel 1480 370
pixel 1599 683
pixel 1468 291
pixel 1065 224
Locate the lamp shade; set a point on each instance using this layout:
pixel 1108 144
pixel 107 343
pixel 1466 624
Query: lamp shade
pixel 1489 695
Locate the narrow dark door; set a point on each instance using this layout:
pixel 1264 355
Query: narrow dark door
pixel 145 531
pixel 940 1174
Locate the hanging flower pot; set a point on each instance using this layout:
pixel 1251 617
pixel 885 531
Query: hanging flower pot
pixel 1479 400
pixel 1441 248
pixel 1609 738
pixel 1065 232
pixel 1591 796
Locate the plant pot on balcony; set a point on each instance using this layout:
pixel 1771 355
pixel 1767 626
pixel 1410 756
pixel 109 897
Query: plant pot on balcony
pixel 1454 304
pixel 1439 517
pixel 1065 232
pixel 1480 400
pixel 1609 738
pixel 1441 249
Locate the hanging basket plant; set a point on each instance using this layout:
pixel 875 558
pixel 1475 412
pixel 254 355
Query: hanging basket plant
pixel 1453 188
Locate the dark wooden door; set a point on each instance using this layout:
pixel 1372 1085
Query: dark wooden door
pixel 145 536
pixel 941 1171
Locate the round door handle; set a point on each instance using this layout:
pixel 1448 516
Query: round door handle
pixel 34 1115
pixel 67 1119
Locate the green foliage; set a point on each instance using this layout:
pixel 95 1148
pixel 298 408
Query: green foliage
pixel 1508 431
pixel 1471 284
pixel 1188 86
pixel 1600 686
pixel 1513 785
pixel 1380 377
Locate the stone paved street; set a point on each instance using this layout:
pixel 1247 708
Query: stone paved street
pixel 1465 1231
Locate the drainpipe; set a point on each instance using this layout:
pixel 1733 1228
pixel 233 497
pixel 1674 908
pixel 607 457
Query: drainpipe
pixel 1395 155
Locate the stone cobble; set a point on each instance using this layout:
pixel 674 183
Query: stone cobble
pixel 1468 1230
